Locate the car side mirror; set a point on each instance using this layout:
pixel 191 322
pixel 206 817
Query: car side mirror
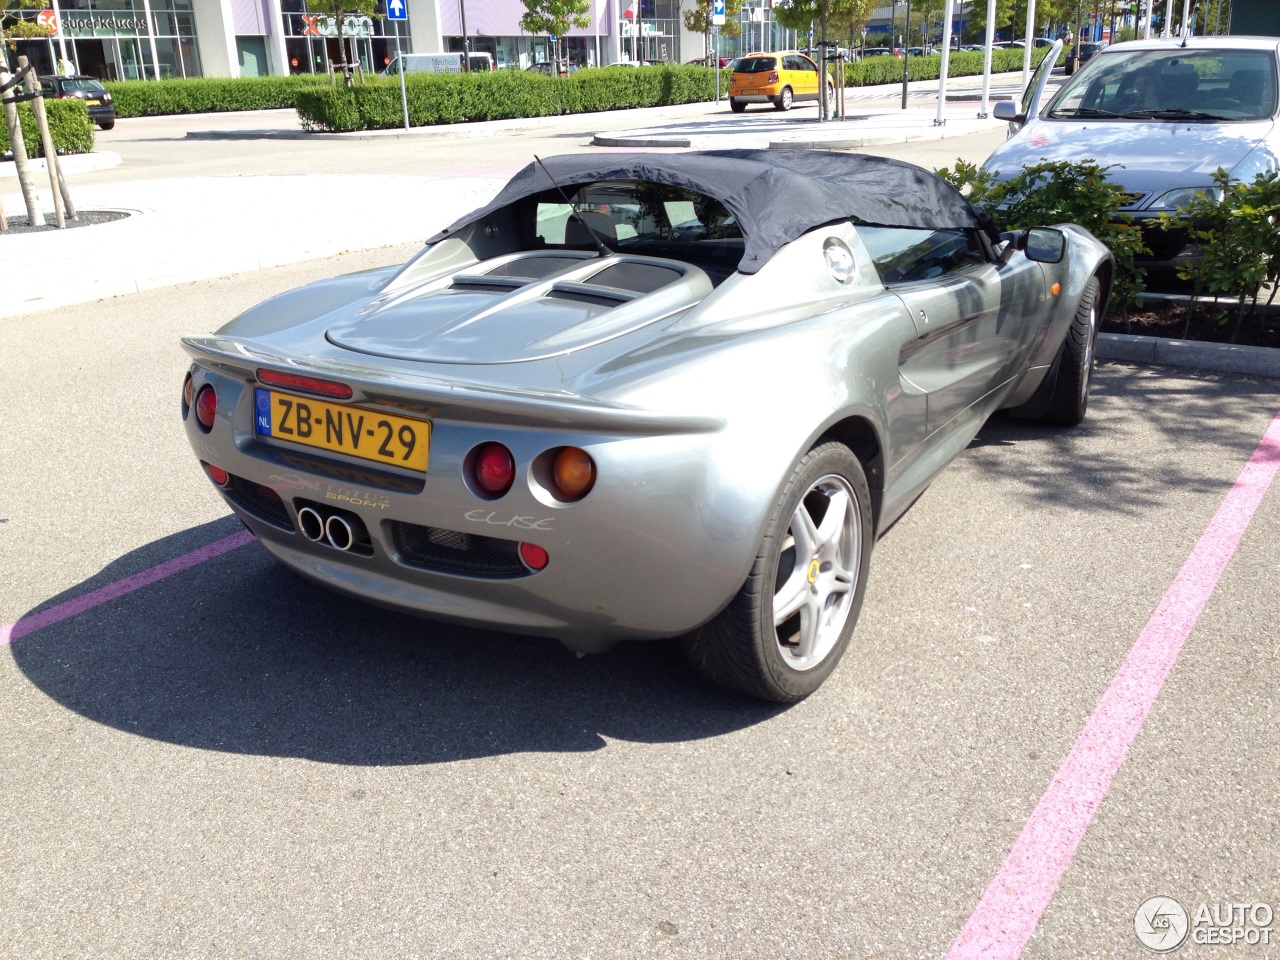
pixel 1008 110
pixel 1045 245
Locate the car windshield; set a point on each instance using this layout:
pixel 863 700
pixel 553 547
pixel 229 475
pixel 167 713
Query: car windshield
pixel 640 217
pixel 755 64
pixel 1171 85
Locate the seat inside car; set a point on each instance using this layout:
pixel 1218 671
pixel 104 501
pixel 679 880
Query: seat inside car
pixel 1251 87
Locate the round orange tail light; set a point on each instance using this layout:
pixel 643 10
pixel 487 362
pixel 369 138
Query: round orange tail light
pixel 574 473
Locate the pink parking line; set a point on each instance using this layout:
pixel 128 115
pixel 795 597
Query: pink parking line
pixel 71 608
pixel 1016 898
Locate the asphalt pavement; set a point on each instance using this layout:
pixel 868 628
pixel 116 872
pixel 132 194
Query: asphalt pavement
pixel 1061 692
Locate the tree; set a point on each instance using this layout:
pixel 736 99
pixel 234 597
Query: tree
pixel 555 18
pixel 12 28
pixel 698 20
pixel 840 14
pixel 340 10
pixel 978 17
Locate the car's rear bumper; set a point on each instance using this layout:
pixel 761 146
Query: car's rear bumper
pixel 754 97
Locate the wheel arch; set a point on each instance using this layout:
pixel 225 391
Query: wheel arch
pixel 859 434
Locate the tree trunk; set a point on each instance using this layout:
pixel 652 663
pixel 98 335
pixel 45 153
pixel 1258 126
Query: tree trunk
pixel 35 216
pixel 47 145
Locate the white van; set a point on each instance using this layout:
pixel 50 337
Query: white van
pixel 437 63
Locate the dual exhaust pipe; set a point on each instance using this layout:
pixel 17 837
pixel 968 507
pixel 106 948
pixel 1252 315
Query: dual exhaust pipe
pixel 342 531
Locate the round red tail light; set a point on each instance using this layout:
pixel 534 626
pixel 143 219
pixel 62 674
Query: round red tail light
pixel 534 557
pixel 206 407
pixel 494 469
pixel 574 473
pixel 217 474
pixel 187 389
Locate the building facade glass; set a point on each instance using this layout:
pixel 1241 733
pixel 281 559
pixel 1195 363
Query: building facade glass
pixel 311 39
pixel 114 40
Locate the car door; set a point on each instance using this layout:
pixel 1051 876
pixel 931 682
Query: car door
pixel 969 316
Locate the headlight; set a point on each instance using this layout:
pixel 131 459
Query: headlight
pixel 1175 199
pixel 106 98
pixel 839 259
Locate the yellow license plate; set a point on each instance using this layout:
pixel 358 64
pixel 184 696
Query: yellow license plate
pixel 749 92
pixel 379 437
pixel 93 103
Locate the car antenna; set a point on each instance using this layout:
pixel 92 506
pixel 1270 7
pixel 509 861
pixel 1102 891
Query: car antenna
pixel 600 244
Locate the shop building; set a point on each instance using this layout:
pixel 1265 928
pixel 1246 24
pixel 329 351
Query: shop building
pixel 145 39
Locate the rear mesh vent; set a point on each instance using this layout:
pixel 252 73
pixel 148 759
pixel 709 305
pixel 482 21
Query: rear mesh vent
pixel 450 551
pixel 531 268
pixel 258 501
pixel 636 277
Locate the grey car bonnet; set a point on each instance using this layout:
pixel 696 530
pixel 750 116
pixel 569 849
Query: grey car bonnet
pixel 775 195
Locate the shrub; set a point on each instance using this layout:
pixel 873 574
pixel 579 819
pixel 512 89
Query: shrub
pixel 1062 192
pixel 454 98
pixel 151 98
pixel 69 125
pixel 1234 229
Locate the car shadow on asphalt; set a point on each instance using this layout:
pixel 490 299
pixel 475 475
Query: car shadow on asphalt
pixel 1186 424
pixel 238 654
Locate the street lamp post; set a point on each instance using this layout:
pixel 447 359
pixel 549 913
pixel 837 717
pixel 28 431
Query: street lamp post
pixel 466 60
pixel 906 56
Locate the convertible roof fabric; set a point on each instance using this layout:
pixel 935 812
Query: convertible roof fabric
pixel 775 195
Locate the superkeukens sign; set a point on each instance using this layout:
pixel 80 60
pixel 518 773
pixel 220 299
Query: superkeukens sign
pixel 103 24
pixel 353 25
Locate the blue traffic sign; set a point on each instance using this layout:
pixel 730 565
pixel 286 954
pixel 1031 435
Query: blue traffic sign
pixel 396 10
pixel 717 8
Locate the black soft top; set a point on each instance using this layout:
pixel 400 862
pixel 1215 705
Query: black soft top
pixel 775 195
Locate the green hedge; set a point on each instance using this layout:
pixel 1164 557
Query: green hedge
pixel 152 98
pixel 69 124
pixel 457 98
pixel 506 94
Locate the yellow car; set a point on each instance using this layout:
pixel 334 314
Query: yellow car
pixel 777 78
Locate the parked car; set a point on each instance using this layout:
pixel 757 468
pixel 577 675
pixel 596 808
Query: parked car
pixel 1088 51
pixel 89 89
pixel 878 52
pixel 782 79
pixel 644 396
pixel 1163 115
pixel 709 62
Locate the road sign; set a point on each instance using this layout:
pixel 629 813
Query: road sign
pixel 396 10
pixel 717 12
pixel 47 20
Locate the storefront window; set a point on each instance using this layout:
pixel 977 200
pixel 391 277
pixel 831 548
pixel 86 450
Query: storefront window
pixel 112 39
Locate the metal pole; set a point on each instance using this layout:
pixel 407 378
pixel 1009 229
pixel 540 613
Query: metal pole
pixel 466 60
pixel 1186 13
pixel 948 10
pixel 404 98
pixel 906 56
pixel 1168 19
pixel 62 34
pixel 1029 39
pixel 151 35
pixel 1146 28
pixel 985 111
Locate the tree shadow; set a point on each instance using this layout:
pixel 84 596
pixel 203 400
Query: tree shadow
pixel 1149 430
pixel 238 654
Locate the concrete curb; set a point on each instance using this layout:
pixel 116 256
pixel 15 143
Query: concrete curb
pixel 71 164
pixel 1193 354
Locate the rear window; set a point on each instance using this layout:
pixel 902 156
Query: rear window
pixel 755 64
pixel 86 86
pixel 638 217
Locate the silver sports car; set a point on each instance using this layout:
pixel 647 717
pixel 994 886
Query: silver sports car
pixel 646 396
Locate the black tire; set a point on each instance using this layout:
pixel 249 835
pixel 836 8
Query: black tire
pixel 743 648
pixel 737 106
pixel 106 124
pixel 785 99
pixel 1074 375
